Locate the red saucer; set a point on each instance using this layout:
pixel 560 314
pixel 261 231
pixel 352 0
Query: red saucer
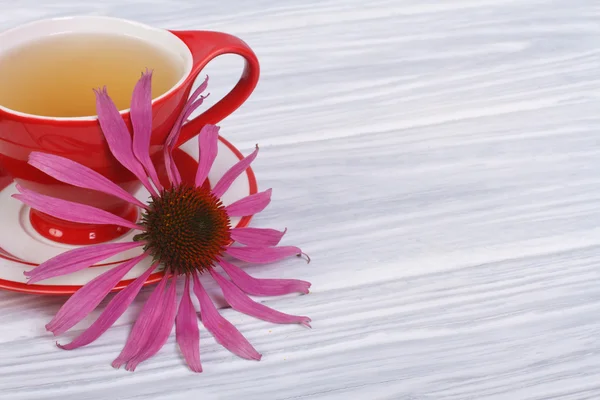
pixel 20 244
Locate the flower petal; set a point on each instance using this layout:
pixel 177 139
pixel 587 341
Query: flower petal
pixel 69 210
pixel 263 255
pixel 244 304
pixel 257 236
pixel 194 101
pixel 187 332
pixel 83 301
pixel 232 174
pixel 141 331
pixel 199 90
pixel 191 105
pixel 118 137
pixel 249 205
pixel 141 120
pixel 223 331
pixel 77 259
pixel 78 175
pixel 115 308
pixel 208 142
pixel 172 171
pixel 159 329
pixel 263 287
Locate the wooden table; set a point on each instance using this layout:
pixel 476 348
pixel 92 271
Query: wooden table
pixel 440 162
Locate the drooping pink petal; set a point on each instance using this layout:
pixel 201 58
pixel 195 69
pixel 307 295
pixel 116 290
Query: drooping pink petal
pixel 223 331
pixel 141 120
pixel 249 205
pixel 69 210
pixel 257 236
pixel 83 301
pixel 118 137
pixel 263 255
pixel 232 174
pixel 159 330
pixel 194 101
pixel 172 171
pixel 115 308
pixel 199 90
pixel 187 332
pixel 141 332
pixel 78 175
pixel 191 105
pixel 263 287
pixel 170 166
pixel 208 142
pixel 77 259
pixel 244 304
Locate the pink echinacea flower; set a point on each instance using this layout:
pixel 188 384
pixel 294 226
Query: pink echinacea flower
pixel 184 228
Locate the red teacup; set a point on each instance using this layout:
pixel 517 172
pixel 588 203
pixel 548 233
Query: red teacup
pixel 80 138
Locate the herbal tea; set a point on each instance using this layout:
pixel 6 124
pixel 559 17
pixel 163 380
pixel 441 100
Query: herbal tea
pixel 55 76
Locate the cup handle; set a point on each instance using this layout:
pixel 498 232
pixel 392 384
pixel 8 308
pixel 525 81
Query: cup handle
pixel 5 179
pixel 205 46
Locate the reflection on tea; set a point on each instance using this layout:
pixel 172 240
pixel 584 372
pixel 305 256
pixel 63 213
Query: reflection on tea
pixel 55 76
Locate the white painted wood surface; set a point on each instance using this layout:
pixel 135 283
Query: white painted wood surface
pixel 440 163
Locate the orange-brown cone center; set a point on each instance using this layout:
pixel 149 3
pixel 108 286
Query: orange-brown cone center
pixel 187 229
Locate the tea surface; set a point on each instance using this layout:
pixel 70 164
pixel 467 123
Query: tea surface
pixel 55 76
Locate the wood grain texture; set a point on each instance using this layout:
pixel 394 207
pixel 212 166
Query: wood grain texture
pixel 438 160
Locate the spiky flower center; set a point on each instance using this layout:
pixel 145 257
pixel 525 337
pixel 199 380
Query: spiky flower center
pixel 187 229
